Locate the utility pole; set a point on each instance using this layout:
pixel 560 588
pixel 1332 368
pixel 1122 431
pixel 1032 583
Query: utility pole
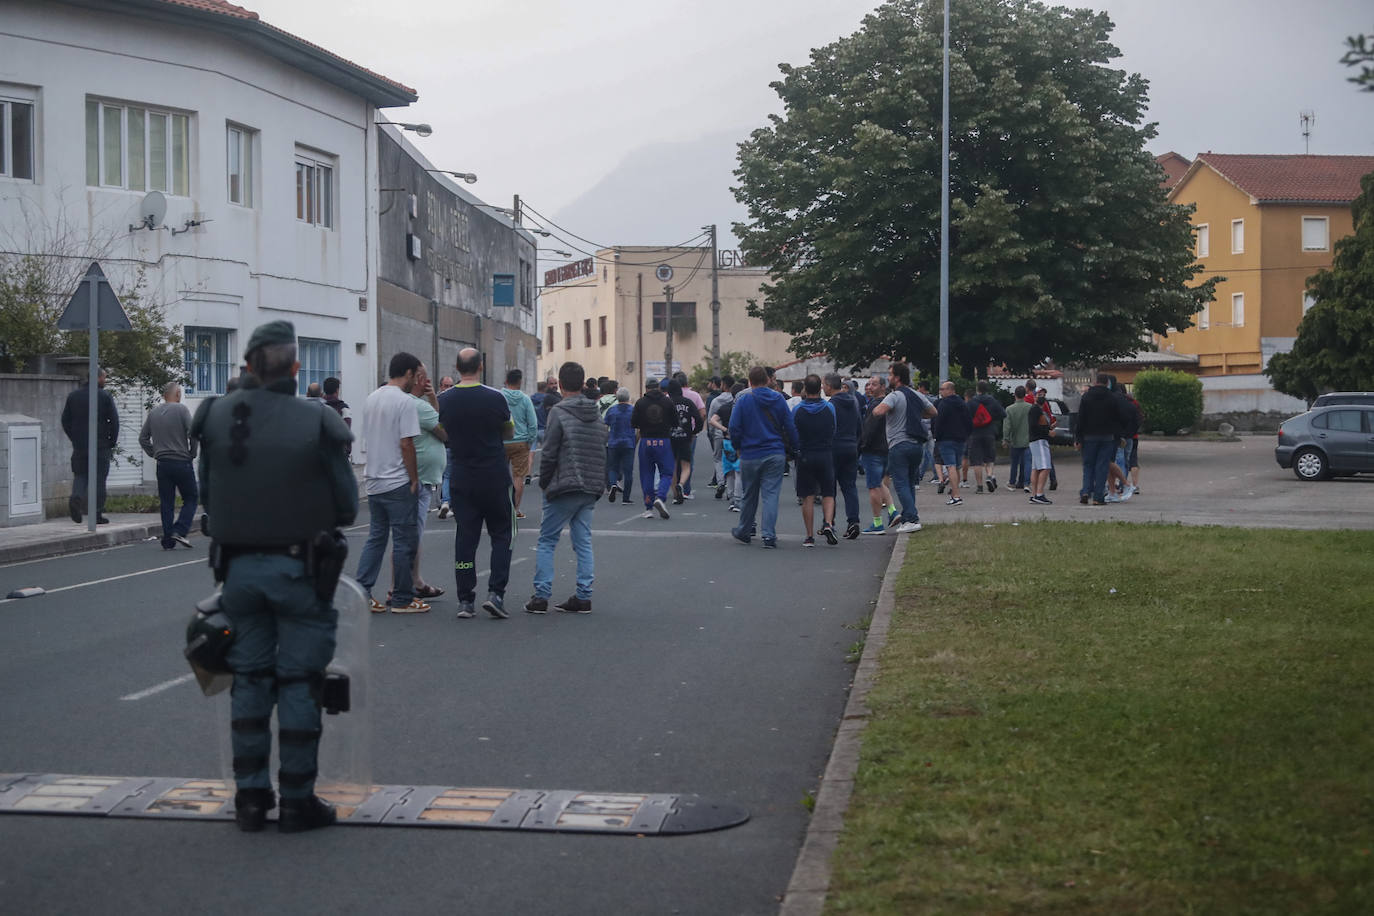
pixel 639 330
pixel 715 303
pixel 944 209
pixel 668 350
pixel 515 210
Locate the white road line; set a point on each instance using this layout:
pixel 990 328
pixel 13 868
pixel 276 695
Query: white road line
pixel 141 572
pixel 158 688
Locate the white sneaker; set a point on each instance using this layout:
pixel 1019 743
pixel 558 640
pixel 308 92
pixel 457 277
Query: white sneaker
pixel 1112 498
pixel 1127 493
pixel 662 509
pixel 908 527
pixel 443 510
pixel 648 513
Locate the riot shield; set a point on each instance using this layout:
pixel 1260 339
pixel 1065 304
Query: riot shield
pixel 345 765
pixel 345 755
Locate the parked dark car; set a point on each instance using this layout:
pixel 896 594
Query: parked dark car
pixel 1062 432
pixel 1333 398
pixel 1328 441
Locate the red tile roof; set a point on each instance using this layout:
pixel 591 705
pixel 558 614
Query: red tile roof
pixel 1290 179
pixel 1174 166
pixel 251 21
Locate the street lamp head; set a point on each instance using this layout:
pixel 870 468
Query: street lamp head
pixel 469 177
pixel 424 130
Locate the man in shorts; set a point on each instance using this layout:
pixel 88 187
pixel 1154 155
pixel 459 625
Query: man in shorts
pixel 1039 422
pixel 525 434
pixel 815 421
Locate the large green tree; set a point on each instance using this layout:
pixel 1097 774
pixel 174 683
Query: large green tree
pixel 1062 243
pixel 1335 345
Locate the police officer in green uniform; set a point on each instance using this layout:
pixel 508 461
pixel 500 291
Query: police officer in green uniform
pixel 276 483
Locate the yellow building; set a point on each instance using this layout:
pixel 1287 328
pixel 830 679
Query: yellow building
pixel 609 313
pixel 1265 224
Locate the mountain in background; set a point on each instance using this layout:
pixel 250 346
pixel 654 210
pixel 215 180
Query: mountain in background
pixel 661 194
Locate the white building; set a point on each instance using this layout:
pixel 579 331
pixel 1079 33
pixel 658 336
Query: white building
pixel 262 145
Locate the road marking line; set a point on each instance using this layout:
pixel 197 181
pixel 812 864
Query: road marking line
pixel 158 688
pixel 141 572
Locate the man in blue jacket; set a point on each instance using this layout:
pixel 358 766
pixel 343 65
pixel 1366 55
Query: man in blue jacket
pixel 620 447
pixel 762 430
pixel 815 421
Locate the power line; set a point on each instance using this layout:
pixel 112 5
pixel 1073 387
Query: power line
pixel 544 222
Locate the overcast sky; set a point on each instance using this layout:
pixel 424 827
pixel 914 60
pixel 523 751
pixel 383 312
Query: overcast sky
pixel 618 119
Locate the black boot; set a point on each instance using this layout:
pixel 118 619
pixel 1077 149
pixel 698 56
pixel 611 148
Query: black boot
pixel 301 814
pixel 251 807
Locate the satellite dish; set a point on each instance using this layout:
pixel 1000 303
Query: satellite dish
pixel 151 211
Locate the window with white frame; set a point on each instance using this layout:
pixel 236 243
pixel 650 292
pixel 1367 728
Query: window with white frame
pixel 1308 300
pixel 239 163
pixel 1204 317
pixel 314 189
pixel 319 360
pixel 1238 310
pixel 1204 240
pixel 138 148
pixel 1315 233
pixel 1237 236
pixel 207 360
pixel 16 138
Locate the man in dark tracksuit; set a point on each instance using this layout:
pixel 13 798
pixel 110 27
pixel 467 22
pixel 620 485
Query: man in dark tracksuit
pixel 848 428
pixel 477 421
pixel 273 477
pixel 654 419
pixel 75 414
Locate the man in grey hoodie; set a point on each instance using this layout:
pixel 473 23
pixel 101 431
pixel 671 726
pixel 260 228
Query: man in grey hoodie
pixel 572 474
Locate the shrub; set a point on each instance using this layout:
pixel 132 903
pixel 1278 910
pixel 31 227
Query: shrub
pixel 1171 400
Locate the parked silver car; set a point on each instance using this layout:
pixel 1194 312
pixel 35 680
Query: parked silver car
pixel 1328 441
pixel 1332 398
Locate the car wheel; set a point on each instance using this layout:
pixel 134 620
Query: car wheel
pixel 1310 464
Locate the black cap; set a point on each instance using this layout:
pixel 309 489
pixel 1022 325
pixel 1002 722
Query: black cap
pixel 274 332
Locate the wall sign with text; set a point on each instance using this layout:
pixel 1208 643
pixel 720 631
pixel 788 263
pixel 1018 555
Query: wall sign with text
pixel 584 268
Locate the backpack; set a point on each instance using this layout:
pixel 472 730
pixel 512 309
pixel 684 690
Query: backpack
pixel 915 429
pixel 981 417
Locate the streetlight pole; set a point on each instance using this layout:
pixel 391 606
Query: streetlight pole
pixel 668 350
pixel 944 207
pixel 715 303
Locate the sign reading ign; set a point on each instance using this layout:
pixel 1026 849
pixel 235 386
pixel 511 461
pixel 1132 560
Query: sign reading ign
pixel 584 268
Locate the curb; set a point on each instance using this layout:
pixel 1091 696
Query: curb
pixel 42 550
pixel 806 892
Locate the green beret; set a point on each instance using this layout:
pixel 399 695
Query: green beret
pixel 274 332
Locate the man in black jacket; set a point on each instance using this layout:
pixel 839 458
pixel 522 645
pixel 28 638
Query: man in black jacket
pixel 75 423
pixel 654 419
pixel 572 474
pixel 848 428
pixel 1102 420
pixel 951 426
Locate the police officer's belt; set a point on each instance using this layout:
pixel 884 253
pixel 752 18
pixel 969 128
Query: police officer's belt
pixel 299 550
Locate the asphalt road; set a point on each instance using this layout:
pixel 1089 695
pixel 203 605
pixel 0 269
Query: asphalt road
pixel 707 667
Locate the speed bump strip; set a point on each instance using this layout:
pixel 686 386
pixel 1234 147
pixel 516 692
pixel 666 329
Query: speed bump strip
pixel 542 810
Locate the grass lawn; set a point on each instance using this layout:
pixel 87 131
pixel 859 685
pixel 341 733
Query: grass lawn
pixel 1199 741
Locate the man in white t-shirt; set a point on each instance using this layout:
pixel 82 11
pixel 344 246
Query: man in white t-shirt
pixel 391 481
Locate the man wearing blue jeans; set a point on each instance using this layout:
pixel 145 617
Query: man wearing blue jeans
pixel 572 474
pixel 761 428
pixel 392 482
pixel 166 437
pixel 905 454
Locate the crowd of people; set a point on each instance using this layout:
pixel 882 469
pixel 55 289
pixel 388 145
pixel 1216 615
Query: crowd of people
pixel 467 451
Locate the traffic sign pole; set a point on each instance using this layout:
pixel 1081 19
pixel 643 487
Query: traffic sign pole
pixel 92 293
